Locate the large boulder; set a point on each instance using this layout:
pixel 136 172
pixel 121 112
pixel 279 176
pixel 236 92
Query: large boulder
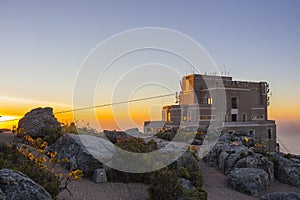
pixel 281 196
pixel 248 180
pixel 235 154
pixel 84 152
pixel 287 169
pixel 256 161
pixel 40 122
pixel 16 185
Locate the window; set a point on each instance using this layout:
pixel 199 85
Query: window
pixel 209 101
pixel 269 133
pixel 187 85
pixel 244 117
pixel 257 117
pixel 234 102
pixel 251 132
pixel 206 117
pixel 234 117
pixel 169 117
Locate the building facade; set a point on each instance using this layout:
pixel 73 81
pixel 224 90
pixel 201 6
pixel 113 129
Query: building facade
pixel 245 107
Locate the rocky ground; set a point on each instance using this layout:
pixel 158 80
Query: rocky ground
pixel 215 183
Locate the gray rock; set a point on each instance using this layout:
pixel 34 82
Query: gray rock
pixel 17 186
pixel 248 180
pixel 286 170
pixel 2 195
pixel 84 152
pixel 188 161
pixel 281 196
pixel 40 122
pixel 186 184
pixel 222 160
pixel 99 176
pixel 257 161
pixel 233 158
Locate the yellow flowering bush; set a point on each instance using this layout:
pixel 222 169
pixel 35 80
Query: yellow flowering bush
pixel 47 160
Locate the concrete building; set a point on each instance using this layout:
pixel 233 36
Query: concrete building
pixel 244 110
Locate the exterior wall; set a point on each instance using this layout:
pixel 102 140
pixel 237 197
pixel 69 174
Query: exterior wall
pixel 260 130
pixel 250 112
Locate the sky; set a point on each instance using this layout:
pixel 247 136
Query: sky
pixel 44 43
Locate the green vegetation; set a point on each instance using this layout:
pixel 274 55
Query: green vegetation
pixel 288 156
pixel 12 158
pixel 39 165
pixel 164 183
pixel 69 128
pixel 180 135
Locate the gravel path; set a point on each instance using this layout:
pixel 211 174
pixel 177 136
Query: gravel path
pixel 85 189
pixel 214 182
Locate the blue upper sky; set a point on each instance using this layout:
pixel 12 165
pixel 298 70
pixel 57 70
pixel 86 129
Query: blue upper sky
pixel 43 43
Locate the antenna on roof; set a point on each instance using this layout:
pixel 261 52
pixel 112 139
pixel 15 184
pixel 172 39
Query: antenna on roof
pixel 224 66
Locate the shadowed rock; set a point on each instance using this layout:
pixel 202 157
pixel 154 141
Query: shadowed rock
pixel 40 122
pixel 287 168
pixel 248 180
pixel 16 185
pixel 281 196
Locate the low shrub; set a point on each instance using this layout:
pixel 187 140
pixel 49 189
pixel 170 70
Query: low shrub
pixel 11 158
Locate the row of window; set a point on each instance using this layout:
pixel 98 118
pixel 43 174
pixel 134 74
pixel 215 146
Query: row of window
pixel 252 132
pixel 234 117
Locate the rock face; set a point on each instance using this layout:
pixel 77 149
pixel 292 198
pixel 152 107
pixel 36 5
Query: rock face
pixel 186 184
pixel 281 196
pixel 40 122
pixel 114 136
pixel 287 168
pixel 84 152
pixel 188 161
pixel 248 180
pixel 16 185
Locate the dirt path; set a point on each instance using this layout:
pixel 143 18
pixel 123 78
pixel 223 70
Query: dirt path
pixel 214 182
pixel 86 189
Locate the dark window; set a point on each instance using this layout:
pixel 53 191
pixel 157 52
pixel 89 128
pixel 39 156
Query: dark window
pixel 269 133
pixel 234 118
pixel 251 132
pixel 234 102
pixel 244 117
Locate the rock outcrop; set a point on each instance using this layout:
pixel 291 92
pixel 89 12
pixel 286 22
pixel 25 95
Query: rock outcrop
pixel 281 196
pixel 186 184
pixel 239 162
pixel 84 152
pixel 287 168
pixel 248 180
pixel 40 122
pixel 16 185
pixel 227 155
pixel 188 161
pixel 114 136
